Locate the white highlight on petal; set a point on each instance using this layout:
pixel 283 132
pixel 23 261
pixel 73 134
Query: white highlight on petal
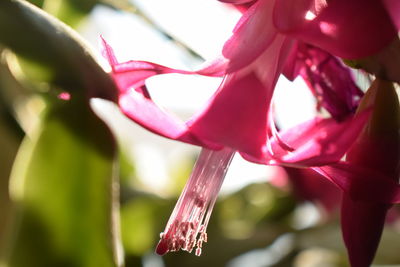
pixel 310 15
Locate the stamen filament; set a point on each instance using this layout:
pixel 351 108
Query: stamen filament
pixel 186 227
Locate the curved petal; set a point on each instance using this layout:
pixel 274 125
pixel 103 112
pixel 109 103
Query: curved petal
pixel 136 103
pixel 237 115
pixel 316 142
pixel 133 73
pixel 234 117
pixel 141 109
pixel 254 29
pixel 348 29
pixel 361 183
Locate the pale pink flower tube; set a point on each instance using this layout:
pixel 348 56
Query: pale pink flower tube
pixel 186 228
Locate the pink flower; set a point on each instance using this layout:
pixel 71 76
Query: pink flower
pixel 238 118
pixel 238 115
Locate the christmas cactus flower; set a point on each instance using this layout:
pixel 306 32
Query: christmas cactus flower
pixel 296 38
pixel 238 114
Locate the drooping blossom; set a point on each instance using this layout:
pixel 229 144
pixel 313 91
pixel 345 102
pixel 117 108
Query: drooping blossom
pixel 369 175
pixel 238 116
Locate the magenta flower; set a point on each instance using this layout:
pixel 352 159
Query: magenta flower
pixel 269 37
pixel 235 117
pixel 369 176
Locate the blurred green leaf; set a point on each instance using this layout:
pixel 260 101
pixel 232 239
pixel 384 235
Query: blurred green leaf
pixel 254 205
pixel 143 218
pixel 10 138
pixel 54 46
pixel 126 167
pixel 137 225
pixel 38 3
pixel 63 184
pixel 69 11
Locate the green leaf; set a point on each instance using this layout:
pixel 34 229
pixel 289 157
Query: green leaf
pixel 138 226
pixel 42 39
pixel 63 183
pixel 38 3
pixel 69 11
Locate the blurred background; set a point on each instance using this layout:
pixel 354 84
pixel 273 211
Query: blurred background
pixel 265 216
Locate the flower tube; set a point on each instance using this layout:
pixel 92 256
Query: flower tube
pixel 186 228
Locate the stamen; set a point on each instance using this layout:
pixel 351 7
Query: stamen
pixel 186 228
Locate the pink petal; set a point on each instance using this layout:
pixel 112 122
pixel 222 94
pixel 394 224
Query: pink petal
pixel 145 112
pixel 293 65
pixel 348 29
pixel 316 142
pixel 362 184
pixel 294 12
pixel 108 52
pixel 237 114
pixel 254 29
pixel 234 117
pixel 133 73
pixel 135 102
